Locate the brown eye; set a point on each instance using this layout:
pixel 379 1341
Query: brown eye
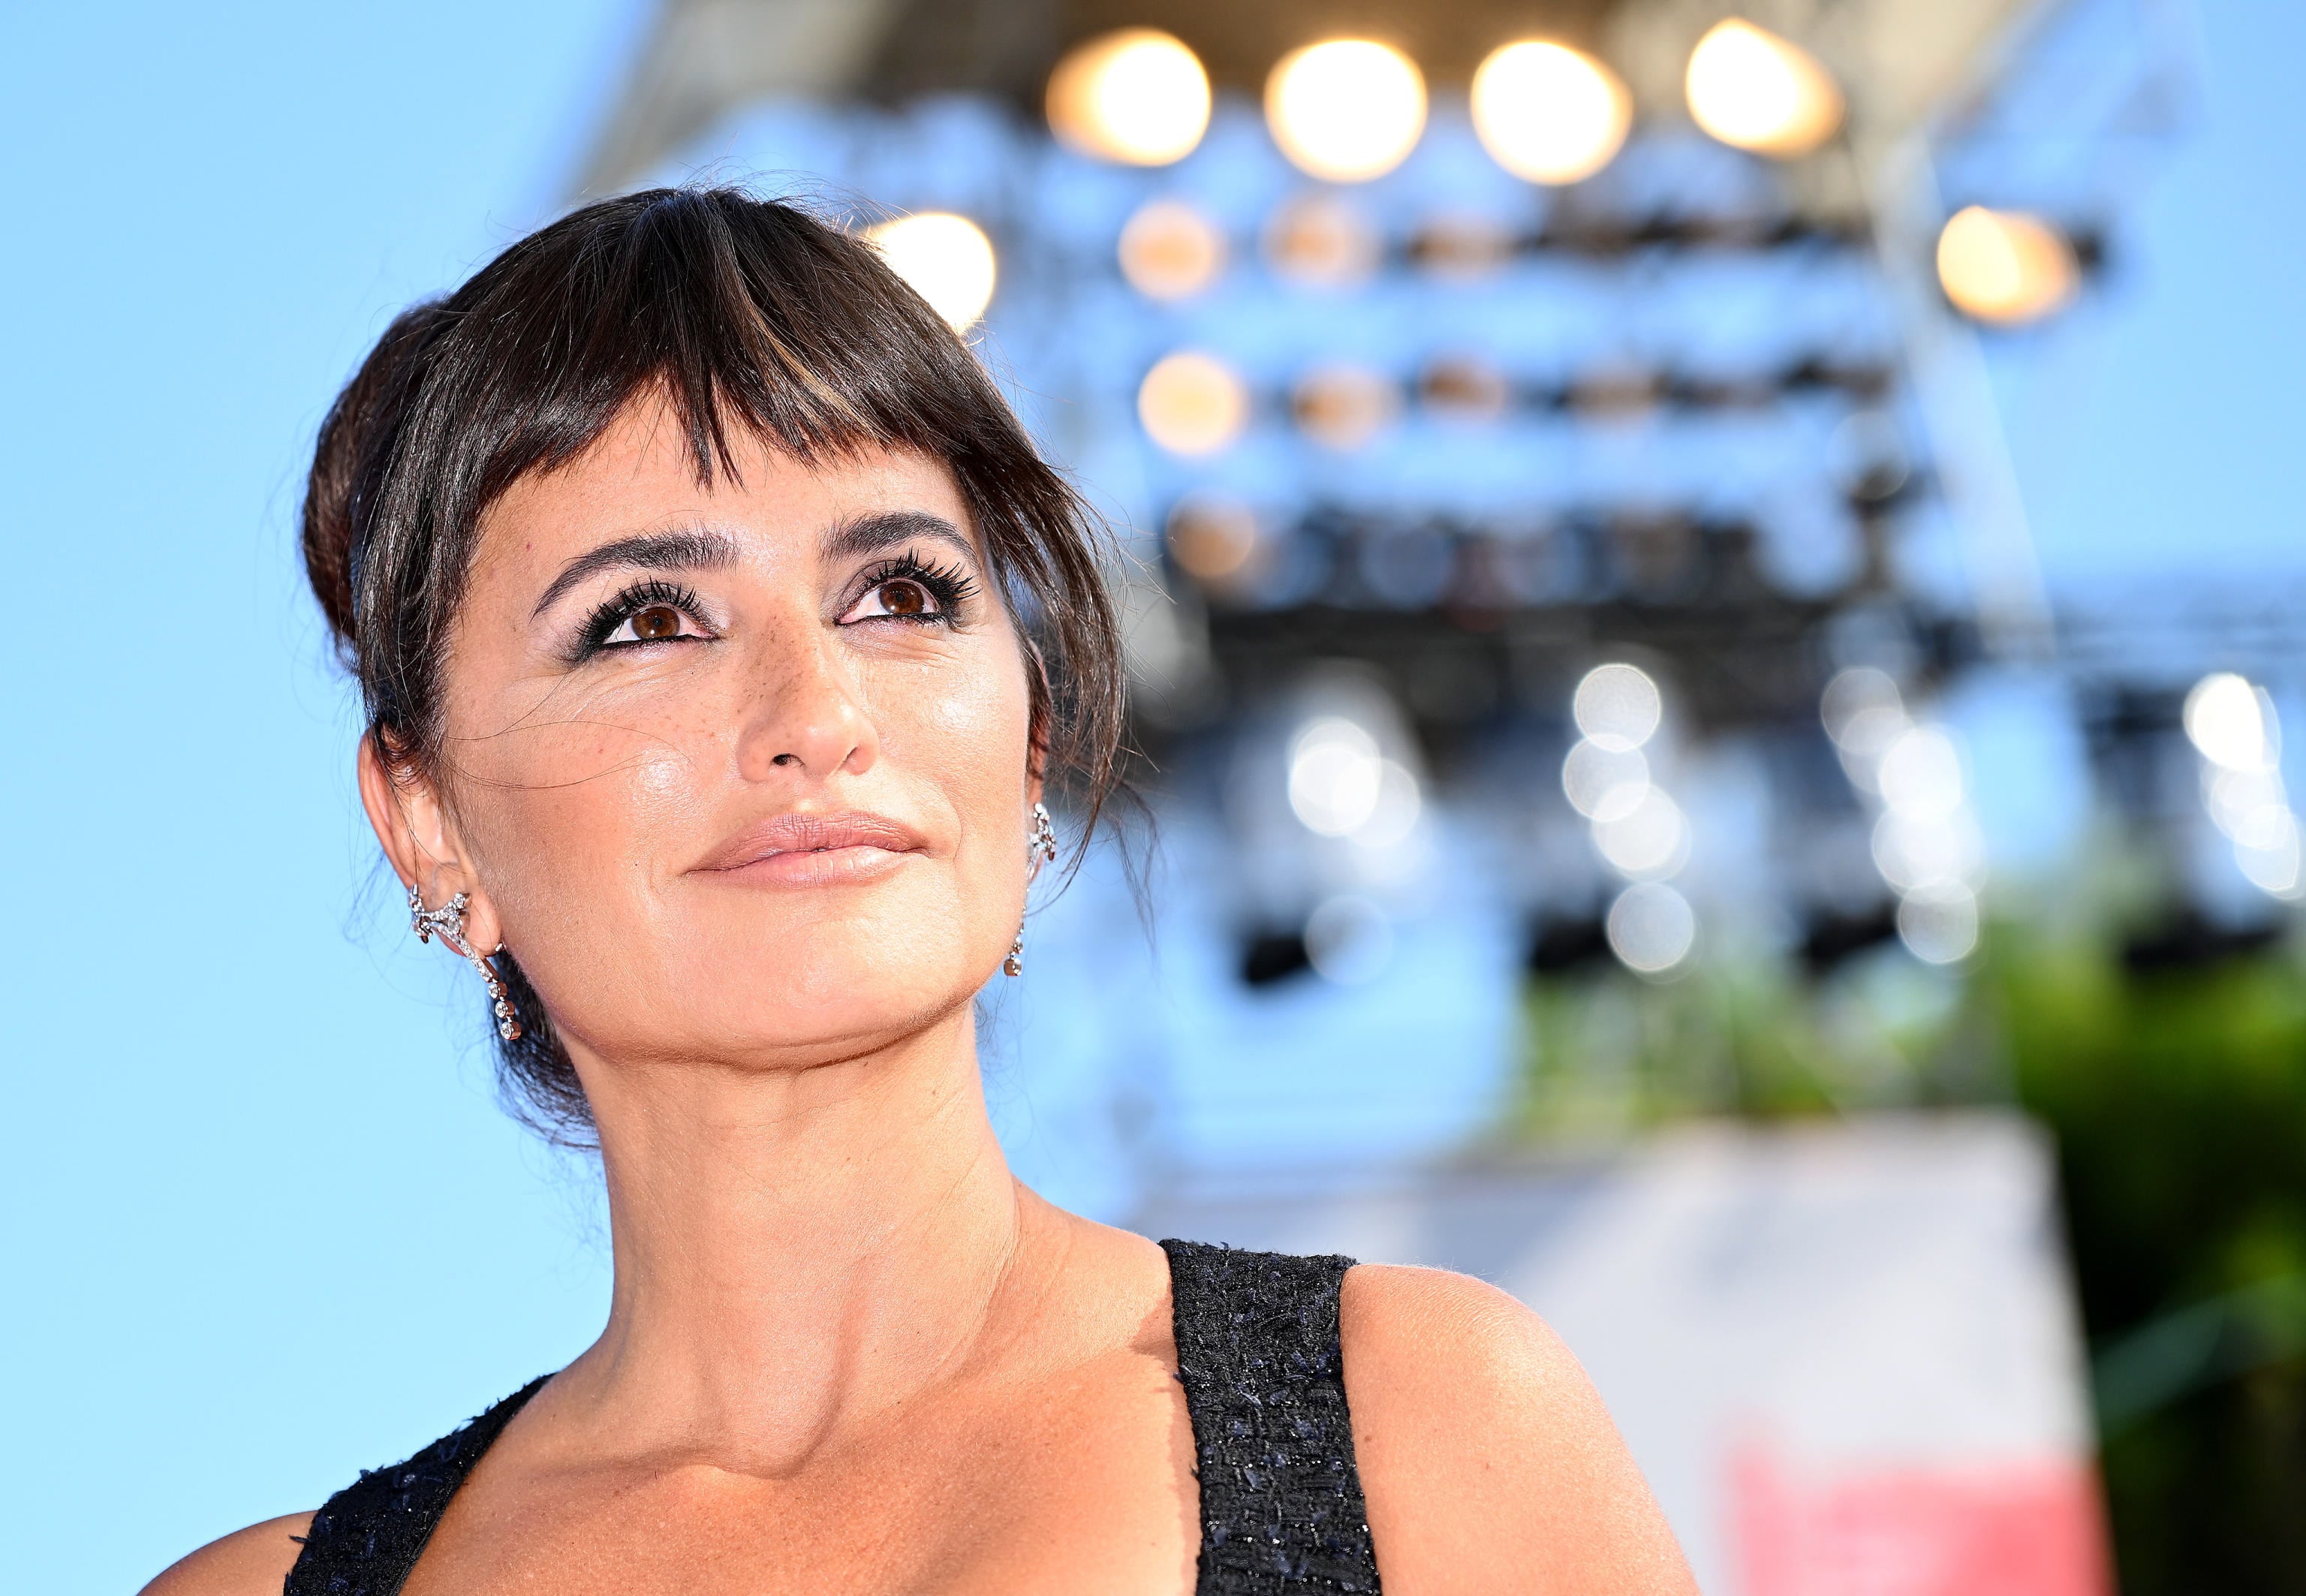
pixel 903 598
pixel 656 623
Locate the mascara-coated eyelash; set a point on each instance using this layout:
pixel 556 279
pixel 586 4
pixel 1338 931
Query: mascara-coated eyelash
pixel 654 593
pixel 948 587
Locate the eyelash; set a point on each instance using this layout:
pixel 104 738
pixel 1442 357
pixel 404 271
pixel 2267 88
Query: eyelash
pixel 949 587
pixel 641 595
pixel 948 584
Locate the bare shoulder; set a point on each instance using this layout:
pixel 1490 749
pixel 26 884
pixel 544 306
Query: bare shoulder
pixel 250 1562
pixel 1488 1460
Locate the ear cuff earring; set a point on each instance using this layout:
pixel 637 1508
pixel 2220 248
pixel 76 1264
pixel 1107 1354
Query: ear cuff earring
pixel 448 923
pixel 1041 849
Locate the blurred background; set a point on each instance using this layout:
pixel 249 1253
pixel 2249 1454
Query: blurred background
pixel 1712 603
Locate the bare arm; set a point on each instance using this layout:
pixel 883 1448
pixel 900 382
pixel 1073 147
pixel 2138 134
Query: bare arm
pixel 250 1562
pixel 1489 1461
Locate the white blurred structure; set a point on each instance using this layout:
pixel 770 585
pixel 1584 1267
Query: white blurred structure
pixel 1845 1358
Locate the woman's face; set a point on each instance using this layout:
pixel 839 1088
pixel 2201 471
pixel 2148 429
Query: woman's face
pixel 741 772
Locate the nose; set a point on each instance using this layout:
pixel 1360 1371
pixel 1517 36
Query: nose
pixel 805 716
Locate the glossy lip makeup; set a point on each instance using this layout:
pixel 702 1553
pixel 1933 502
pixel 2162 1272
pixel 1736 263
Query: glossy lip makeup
pixel 842 850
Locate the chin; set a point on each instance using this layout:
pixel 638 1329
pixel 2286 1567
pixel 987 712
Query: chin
pixel 839 985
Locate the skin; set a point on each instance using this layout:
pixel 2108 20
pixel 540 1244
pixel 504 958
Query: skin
pixel 846 1350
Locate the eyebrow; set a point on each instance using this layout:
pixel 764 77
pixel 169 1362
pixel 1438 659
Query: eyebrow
pixel 686 549
pixel 869 535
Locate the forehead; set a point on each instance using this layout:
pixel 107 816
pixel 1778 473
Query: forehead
pixel 641 474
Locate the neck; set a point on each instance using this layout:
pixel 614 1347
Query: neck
pixel 796 1250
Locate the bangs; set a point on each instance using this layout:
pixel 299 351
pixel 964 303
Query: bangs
pixel 739 316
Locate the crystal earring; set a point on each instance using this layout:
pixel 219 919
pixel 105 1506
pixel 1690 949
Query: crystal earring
pixel 1041 849
pixel 448 923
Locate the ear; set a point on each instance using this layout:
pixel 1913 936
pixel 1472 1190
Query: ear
pixel 419 836
pixel 1042 702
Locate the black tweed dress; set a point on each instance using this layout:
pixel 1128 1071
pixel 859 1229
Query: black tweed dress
pixel 1257 1352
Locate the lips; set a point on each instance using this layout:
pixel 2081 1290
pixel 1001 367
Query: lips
pixel 816 849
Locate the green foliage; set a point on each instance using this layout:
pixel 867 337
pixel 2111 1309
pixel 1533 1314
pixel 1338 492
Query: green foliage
pixel 2177 1098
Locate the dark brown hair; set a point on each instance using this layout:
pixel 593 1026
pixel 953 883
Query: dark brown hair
pixel 742 312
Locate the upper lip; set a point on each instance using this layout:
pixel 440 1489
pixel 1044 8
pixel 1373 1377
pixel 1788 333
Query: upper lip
pixel 812 833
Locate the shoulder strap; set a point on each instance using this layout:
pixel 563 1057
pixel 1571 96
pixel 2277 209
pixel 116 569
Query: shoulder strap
pixel 369 1535
pixel 1256 1349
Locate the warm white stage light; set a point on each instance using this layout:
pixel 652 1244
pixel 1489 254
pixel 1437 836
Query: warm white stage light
pixel 1137 96
pixel 2005 265
pixel 1550 114
pixel 1347 109
pixel 1749 88
pixel 1171 251
pixel 946 258
pixel 1192 403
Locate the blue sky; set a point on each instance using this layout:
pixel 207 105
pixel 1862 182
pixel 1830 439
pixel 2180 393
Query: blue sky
pixel 2155 434
pixel 262 1225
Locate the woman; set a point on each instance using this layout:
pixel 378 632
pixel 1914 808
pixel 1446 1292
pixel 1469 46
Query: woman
pixel 721 634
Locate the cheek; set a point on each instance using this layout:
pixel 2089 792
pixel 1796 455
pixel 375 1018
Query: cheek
pixel 572 803
pixel 966 736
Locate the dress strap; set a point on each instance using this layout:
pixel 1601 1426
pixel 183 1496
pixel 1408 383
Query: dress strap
pixel 1282 1513
pixel 369 1535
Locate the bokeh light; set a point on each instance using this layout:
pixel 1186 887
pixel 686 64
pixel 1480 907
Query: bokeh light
pixel 1919 852
pixel 1213 538
pixel 1341 785
pixel 1618 705
pixel 2227 719
pixel 1462 246
pixel 1921 774
pixel 1550 114
pixel 1170 251
pixel 1192 403
pixel 946 259
pixel 2233 727
pixel 2005 265
pixel 1649 839
pixel 1322 241
pixel 1342 407
pixel 1650 927
pixel 1464 389
pixel 1604 783
pixel 1137 96
pixel 1749 88
pixel 1939 926
pixel 1336 774
pixel 1345 110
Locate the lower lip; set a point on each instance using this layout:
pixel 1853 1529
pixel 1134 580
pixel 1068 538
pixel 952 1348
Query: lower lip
pixel 818 867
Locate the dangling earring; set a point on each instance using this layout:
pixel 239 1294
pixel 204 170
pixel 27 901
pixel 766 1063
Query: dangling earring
pixel 1041 849
pixel 448 923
